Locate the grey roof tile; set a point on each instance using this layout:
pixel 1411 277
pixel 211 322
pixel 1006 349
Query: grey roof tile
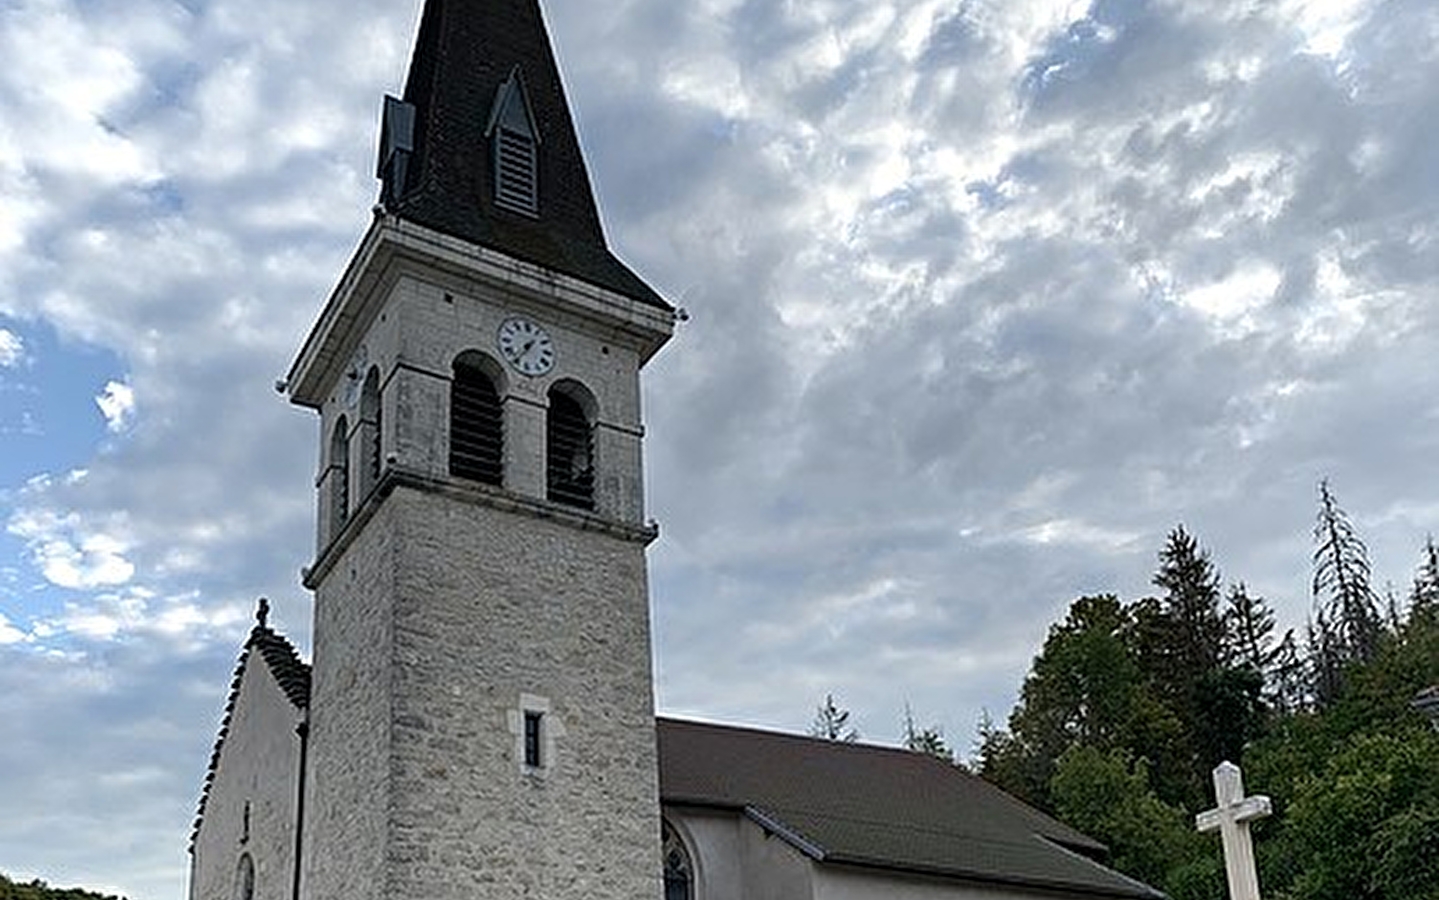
pixel 881 807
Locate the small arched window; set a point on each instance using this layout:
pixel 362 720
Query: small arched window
pixel 569 449
pixel 339 476
pixel 477 430
pixel 678 871
pixel 245 879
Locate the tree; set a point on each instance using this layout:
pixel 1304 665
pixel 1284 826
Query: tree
pixel 1288 682
pixel 1191 605
pixel 1182 643
pixel 1345 605
pixel 1107 795
pixel 1359 827
pixel 928 740
pixel 1003 760
pixel 39 890
pixel 1424 596
pixel 1086 688
pixel 1249 631
pixel 831 722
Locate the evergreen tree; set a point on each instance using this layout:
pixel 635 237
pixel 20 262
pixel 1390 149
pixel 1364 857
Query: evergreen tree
pixel 1288 679
pixel 831 722
pixel 1099 739
pixel 1191 605
pixel 1213 704
pixel 1249 631
pixel 1250 646
pixel 1326 659
pixel 1347 616
pixel 928 740
pixel 1424 596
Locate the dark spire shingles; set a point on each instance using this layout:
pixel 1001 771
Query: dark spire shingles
pixel 466 50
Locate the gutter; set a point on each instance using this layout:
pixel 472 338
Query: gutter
pixel 303 730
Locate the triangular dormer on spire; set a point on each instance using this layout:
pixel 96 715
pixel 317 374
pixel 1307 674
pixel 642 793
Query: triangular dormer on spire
pixel 483 147
pixel 515 146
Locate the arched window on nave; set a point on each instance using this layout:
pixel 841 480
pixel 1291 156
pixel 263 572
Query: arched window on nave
pixel 245 878
pixel 679 874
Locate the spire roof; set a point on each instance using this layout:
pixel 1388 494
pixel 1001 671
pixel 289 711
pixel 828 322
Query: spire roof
pixel 469 60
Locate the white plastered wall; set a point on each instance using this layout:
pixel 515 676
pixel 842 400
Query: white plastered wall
pixel 259 766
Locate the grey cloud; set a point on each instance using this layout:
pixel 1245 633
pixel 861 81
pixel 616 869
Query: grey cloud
pixel 904 427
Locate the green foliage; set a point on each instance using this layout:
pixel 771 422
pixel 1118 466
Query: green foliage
pixel 1106 794
pixel 1128 706
pixel 1083 689
pixel 39 890
pixel 928 740
pixel 1408 848
pixel 1358 826
pixel 831 722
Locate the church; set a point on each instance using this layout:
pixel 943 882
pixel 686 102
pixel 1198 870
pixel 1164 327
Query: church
pixel 478 717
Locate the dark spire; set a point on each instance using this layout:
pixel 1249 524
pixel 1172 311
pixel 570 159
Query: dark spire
pixel 481 70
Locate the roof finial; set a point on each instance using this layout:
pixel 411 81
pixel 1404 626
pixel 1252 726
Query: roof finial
pixel 263 613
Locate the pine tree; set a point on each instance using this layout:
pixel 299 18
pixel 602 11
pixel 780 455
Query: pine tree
pixel 1191 604
pixel 1424 596
pixel 831 722
pixel 928 740
pixel 1249 631
pixel 1345 604
pixel 1289 683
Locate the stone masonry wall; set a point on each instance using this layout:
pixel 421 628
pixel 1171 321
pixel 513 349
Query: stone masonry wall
pixel 492 606
pixel 347 787
pixel 448 605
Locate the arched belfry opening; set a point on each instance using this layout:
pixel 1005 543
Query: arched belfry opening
pixel 339 476
pixel 371 431
pixel 570 446
pixel 679 873
pixel 477 426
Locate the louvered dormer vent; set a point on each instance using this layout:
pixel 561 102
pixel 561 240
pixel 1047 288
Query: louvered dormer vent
pixel 515 143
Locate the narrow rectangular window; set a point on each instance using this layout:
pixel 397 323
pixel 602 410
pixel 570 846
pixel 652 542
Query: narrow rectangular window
pixel 534 759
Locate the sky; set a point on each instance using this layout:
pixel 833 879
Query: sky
pixel 985 297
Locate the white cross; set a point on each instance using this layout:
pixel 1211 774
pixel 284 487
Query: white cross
pixel 1231 819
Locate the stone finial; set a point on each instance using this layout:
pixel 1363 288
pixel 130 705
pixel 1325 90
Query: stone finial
pixel 262 613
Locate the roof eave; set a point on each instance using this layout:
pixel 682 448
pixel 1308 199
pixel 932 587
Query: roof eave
pixel 393 240
pixel 1068 889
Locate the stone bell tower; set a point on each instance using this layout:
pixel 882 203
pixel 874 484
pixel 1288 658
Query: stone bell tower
pixel 481 719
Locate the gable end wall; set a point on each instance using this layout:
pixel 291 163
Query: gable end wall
pixel 259 764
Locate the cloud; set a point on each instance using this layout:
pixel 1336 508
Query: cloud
pixel 9 634
pixel 985 298
pixel 69 550
pixel 12 349
pixel 117 405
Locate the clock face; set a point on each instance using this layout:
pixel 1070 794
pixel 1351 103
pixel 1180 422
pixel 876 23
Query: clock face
pixel 526 346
